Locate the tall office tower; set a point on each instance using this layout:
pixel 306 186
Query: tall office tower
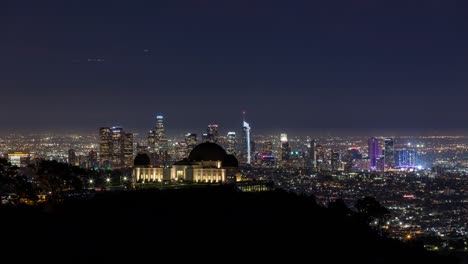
pixel 105 146
pixel 92 159
pixel 335 161
pixel 406 158
pixel 156 137
pixel 152 141
pixel 231 143
pixel 246 148
pixel 373 144
pixel 311 163
pixel 285 148
pixel 117 135
pixel 389 153
pixel 116 147
pixel 127 150
pixel 267 148
pixel 71 157
pixel 204 137
pixel 212 133
pixel 160 127
pixel 190 141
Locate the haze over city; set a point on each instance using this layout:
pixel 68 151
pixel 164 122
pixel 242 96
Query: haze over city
pixel 302 65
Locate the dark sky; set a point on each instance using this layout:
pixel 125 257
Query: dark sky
pixel 291 64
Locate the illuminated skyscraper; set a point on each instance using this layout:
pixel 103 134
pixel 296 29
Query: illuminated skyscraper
pixel 156 138
pixel 267 148
pixel 231 143
pixel 71 157
pixel 285 148
pixel 311 162
pixel 105 145
pixel 190 141
pixel 92 159
pixel 160 132
pixel 389 153
pixel 152 141
pixel 127 150
pixel 212 133
pixel 336 161
pixel 246 150
pixel 373 144
pixel 116 147
pixel 406 158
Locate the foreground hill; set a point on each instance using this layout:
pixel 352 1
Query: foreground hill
pixel 201 224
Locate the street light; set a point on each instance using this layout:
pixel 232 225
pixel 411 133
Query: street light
pixel 91 181
pixel 108 180
pixel 125 178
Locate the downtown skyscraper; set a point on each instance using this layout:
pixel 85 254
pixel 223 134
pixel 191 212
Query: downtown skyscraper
pixel 389 153
pixel 231 143
pixel 373 152
pixel 246 144
pixel 115 147
pixel 156 137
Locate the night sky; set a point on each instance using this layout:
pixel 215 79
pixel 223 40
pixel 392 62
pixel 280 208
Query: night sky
pixel 292 65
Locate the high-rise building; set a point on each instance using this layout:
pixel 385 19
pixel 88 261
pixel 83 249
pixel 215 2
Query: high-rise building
pixel 127 150
pixel 71 157
pixel 190 141
pixel 285 148
pixel 406 158
pixel 117 135
pixel 212 133
pixel 160 132
pixel 311 163
pixel 152 141
pixel 246 144
pixel 105 146
pixel 204 137
pixel 156 138
pixel 92 159
pixel 373 144
pixel 267 148
pixel 116 147
pixel 231 143
pixel 335 161
pixel 389 153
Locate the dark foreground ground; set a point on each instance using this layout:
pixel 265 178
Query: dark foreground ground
pixel 214 224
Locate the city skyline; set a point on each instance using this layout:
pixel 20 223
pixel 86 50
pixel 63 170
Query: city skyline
pixel 300 66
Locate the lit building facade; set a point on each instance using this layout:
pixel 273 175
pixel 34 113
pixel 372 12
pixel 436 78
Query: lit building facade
pixel 406 158
pixel 190 141
pixel 373 150
pixel 116 147
pixel 231 143
pixel 207 163
pixel 19 159
pixel 212 133
pixel 389 153
pixel 285 148
pixel 246 143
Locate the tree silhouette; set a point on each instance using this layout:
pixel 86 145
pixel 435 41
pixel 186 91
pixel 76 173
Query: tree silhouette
pixel 338 207
pixel 7 174
pixel 371 210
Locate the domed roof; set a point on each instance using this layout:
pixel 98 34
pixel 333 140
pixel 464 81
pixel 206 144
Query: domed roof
pixel 230 161
pixel 207 151
pixel 142 160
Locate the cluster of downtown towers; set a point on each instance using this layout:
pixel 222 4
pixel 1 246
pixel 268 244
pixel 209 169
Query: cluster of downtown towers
pixel 116 150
